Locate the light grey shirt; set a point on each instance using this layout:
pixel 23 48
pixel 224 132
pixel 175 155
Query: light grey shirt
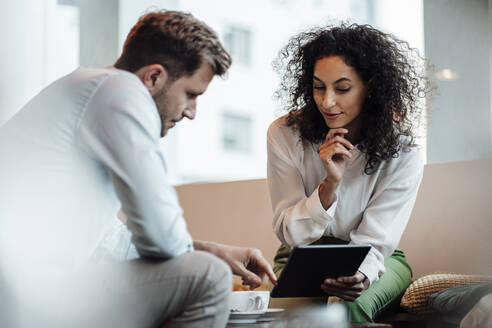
pixel 82 148
pixel 368 209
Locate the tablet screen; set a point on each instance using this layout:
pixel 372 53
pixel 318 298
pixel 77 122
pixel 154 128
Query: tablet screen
pixel 309 265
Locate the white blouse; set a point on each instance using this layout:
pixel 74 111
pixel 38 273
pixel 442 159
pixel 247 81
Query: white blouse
pixel 368 209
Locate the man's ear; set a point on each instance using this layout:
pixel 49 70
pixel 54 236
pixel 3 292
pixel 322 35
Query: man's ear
pixel 154 77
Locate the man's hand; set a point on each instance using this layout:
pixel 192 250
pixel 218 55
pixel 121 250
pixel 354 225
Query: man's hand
pixel 347 288
pixel 248 263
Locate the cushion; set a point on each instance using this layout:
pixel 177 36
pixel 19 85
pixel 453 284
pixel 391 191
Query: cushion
pixel 416 296
pixel 480 315
pixel 460 299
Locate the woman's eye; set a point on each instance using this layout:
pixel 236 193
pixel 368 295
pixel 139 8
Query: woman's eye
pixel 343 89
pixel 319 87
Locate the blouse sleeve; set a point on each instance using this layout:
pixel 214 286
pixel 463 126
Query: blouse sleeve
pixel 387 213
pixel 298 218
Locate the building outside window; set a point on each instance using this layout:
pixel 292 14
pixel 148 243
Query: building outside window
pixel 237 132
pixel 218 146
pixel 237 41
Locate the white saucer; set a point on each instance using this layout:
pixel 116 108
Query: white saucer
pixel 274 310
pixel 245 317
pixel 270 315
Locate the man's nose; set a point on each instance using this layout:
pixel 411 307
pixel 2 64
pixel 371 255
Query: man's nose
pixel 190 112
pixel 329 99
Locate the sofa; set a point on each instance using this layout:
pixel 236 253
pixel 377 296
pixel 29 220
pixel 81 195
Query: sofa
pixel 449 230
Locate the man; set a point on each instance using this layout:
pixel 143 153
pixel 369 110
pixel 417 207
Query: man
pixel 88 144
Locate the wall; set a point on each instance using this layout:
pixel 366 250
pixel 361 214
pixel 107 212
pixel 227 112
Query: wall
pixel 21 55
pixel 236 213
pixel 449 229
pixel 98 32
pixel 40 44
pixel 457 35
pixel 451 225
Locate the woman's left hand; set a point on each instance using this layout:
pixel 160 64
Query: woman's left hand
pixel 347 288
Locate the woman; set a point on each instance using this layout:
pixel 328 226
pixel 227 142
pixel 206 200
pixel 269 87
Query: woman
pixel 343 166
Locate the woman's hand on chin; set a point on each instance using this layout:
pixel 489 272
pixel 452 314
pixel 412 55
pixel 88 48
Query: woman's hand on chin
pixel 333 152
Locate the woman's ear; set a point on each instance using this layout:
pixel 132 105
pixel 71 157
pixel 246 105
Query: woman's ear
pixel 154 77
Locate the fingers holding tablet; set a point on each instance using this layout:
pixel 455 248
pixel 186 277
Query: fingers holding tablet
pixel 347 288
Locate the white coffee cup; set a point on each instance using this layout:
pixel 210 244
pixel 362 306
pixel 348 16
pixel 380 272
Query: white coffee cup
pixel 247 301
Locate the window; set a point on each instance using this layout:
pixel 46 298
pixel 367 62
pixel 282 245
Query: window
pixel 237 134
pixel 69 33
pixel 238 42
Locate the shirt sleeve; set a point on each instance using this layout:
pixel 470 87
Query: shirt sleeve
pixel 298 219
pixel 120 129
pixel 387 214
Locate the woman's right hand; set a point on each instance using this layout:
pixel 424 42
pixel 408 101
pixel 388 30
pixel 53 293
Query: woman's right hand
pixel 333 153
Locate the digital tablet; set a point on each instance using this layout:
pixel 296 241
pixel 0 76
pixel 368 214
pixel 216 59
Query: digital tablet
pixel 308 266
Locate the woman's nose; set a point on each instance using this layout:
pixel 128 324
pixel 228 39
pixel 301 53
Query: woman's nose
pixel 329 99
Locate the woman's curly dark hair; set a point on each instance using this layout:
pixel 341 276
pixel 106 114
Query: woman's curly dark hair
pixel 392 71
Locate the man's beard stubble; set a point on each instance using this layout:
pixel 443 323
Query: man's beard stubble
pixel 161 104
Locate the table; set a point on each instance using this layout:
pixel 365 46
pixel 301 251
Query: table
pixel 309 316
pixel 274 324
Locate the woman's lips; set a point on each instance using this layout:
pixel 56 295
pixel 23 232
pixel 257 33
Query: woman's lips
pixel 331 116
